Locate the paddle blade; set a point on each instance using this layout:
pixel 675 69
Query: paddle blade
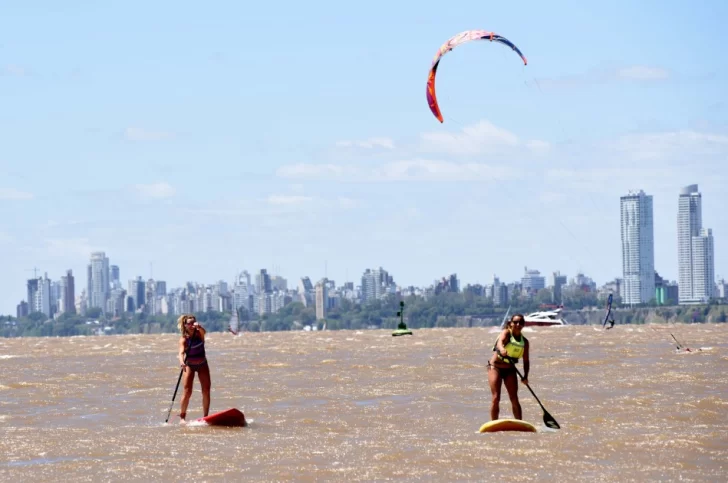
pixel 549 421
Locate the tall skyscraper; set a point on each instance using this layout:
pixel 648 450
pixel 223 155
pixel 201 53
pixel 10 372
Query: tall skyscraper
pixel 68 293
pixel 322 299
pixel 39 295
pixel 114 276
pixel 696 273
pixel 638 247
pixel 137 292
pixel 99 280
pixel 703 266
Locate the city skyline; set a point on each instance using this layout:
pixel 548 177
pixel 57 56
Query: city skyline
pixel 638 267
pixel 637 283
pixel 210 152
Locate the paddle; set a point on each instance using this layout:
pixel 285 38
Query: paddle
pixel 175 390
pixel 679 344
pixel 548 420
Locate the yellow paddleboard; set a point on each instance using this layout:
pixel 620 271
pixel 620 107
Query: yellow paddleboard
pixel 507 425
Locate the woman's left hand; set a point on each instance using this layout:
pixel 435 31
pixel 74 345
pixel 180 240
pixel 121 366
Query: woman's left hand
pixel 524 380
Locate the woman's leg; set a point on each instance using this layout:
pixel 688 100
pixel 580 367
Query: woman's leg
pixel 188 380
pixel 494 380
pixel 205 382
pixel 511 383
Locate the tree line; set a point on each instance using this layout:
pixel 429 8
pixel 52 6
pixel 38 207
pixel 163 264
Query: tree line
pixel 449 309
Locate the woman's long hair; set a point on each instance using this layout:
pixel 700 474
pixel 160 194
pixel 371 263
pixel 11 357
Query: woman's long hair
pixel 181 323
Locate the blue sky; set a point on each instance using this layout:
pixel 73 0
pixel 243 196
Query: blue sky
pixel 240 135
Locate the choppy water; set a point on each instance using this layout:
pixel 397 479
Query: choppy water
pixel 337 406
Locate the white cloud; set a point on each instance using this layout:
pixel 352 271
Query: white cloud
pixel 347 203
pixel 138 134
pixel 409 170
pixel 684 146
pixel 154 190
pixel 297 187
pixel 652 161
pixel 552 196
pixel 13 194
pixel 642 72
pixel 226 212
pixel 607 176
pixel 426 170
pixel 538 146
pixel 303 170
pixel 274 205
pixel 599 76
pixel 68 247
pixel 483 137
pixel 375 142
pixel 14 70
pixel 288 199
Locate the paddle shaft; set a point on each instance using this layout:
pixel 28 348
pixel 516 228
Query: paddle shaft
pixel 679 345
pixel 529 388
pixel 547 418
pixel 181 371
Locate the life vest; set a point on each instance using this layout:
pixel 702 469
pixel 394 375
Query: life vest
pixel 514 349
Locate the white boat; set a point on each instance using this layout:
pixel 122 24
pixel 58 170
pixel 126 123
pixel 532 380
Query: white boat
pixel 546 318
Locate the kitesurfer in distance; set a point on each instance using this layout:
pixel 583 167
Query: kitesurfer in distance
pixel 510 346
pixel 192 357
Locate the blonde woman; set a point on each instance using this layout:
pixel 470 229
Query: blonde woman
pixel 192 358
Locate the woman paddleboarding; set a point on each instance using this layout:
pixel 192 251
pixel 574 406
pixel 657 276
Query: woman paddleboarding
pixel 510 346
pixel 192 358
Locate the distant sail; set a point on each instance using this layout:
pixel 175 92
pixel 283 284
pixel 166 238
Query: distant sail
pixel 234 325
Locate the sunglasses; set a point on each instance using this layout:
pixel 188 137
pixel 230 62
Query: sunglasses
pixel 190 322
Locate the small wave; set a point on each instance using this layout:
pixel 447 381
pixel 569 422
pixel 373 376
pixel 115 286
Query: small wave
pixel 144 390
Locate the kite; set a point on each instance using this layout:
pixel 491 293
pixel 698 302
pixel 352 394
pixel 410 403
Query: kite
pixel 453 42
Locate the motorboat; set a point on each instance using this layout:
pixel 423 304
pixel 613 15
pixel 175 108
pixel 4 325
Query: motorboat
pixel 548 318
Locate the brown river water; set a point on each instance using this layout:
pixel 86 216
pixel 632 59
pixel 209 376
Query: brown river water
pixel 366 406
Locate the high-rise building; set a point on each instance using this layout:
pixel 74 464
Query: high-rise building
pixel 696 274
pixel 115 276
pixel 322 299
pixel 703 266
pixel 40 298
pixel 375 284
pixel 305 291
pixel 68 293
pixel 262 281
pixel 137 293
pixel 532 280
pixel 22 309
pixel 32 290
pixel 638 247
pixel 99 281
pixel 557 281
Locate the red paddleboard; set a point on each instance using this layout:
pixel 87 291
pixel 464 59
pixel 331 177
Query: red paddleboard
pixel 228 417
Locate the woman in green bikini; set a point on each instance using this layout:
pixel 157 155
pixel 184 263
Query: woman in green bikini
pixel 510 346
